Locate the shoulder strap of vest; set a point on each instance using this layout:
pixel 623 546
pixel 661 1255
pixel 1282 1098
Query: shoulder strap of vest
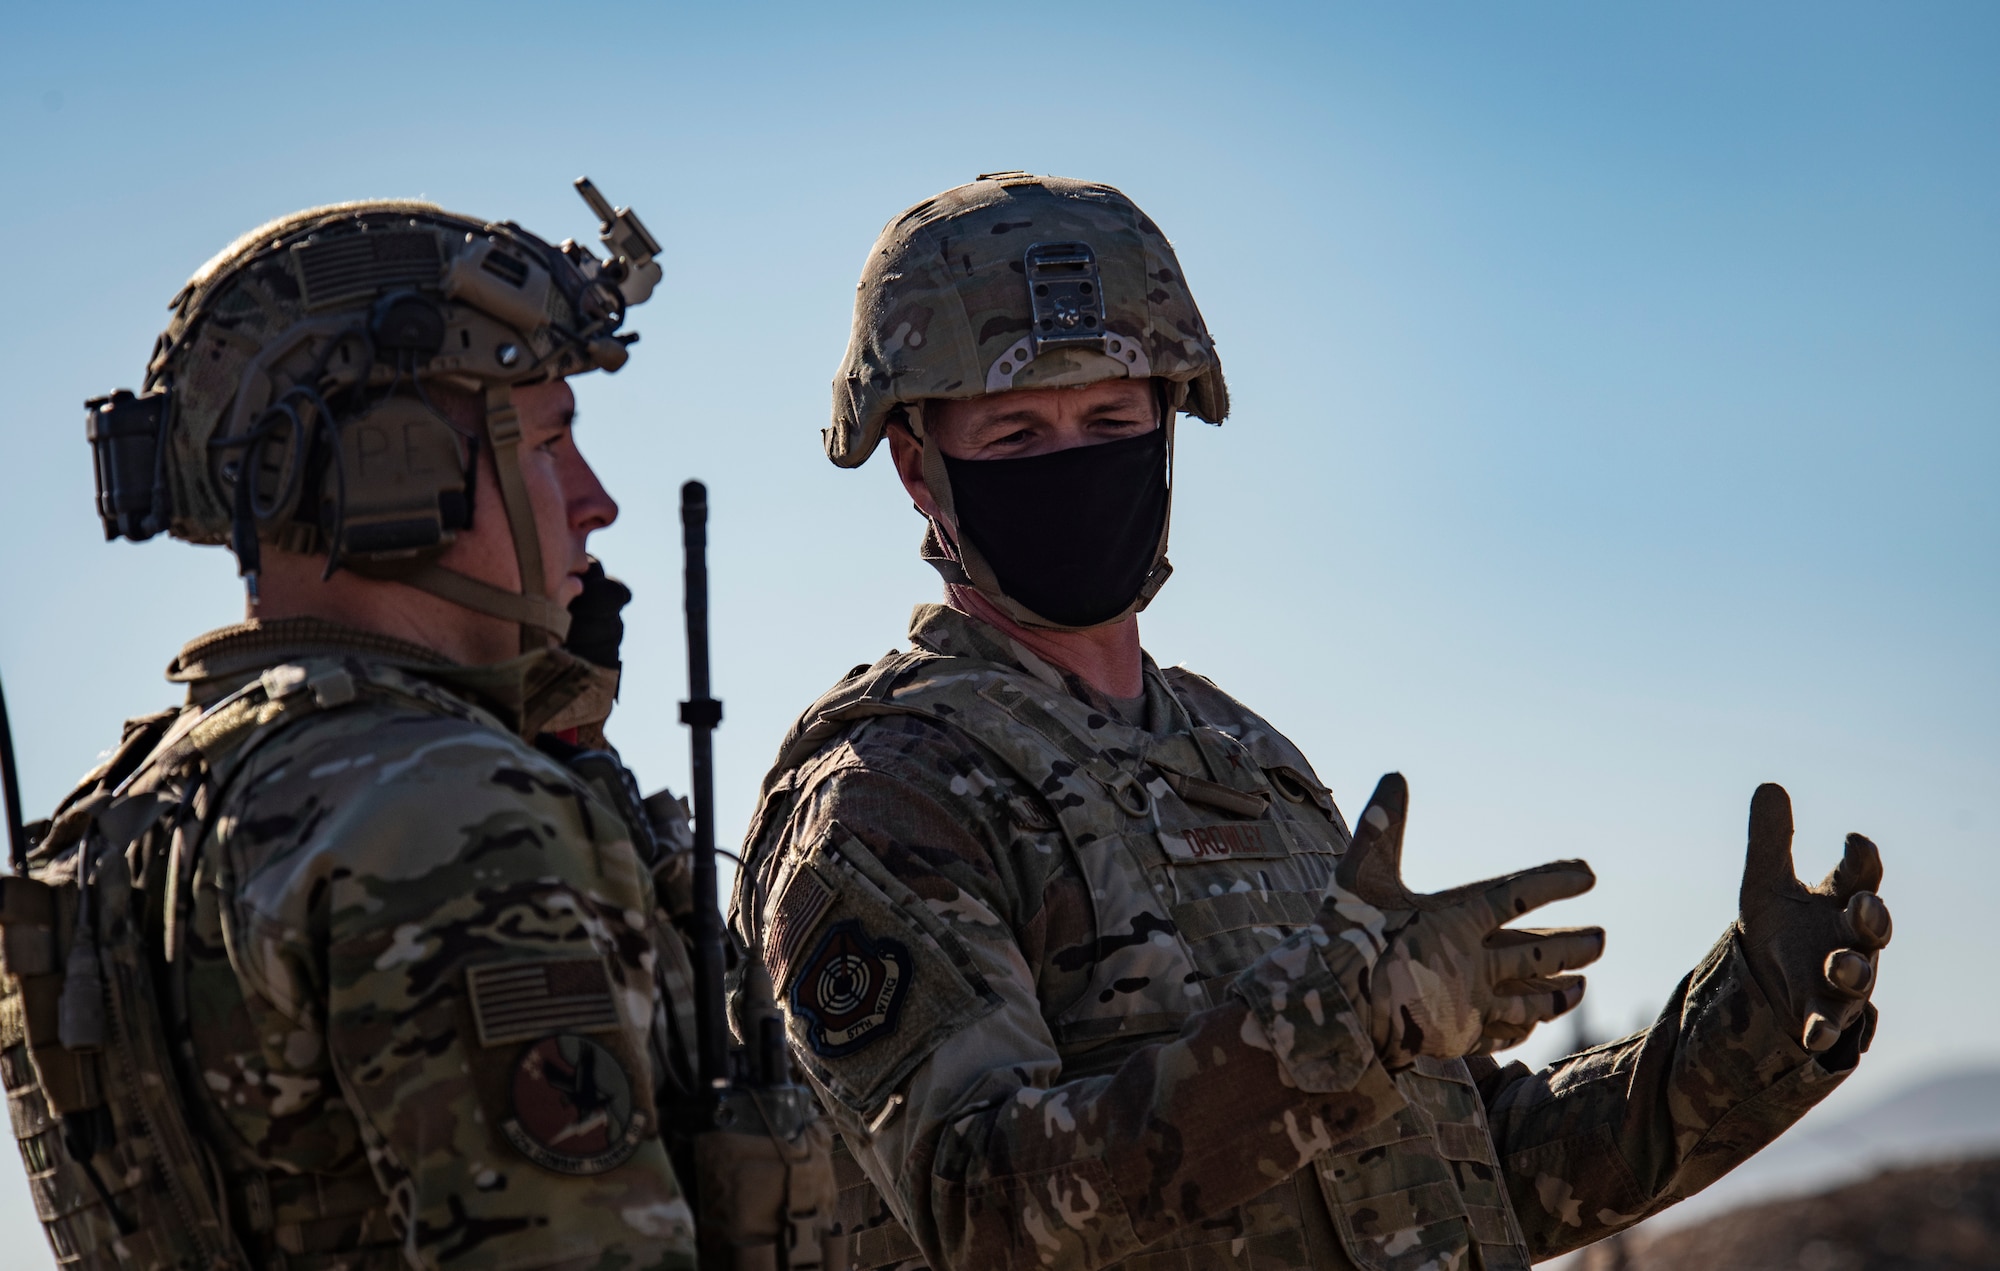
pixel 140 738
pixel 1004 710
pixel 224 735
pixel 156 748
pixel 865 692
pixel 1211 707
pixel 91 794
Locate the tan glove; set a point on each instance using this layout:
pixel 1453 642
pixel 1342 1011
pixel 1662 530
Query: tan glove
pixel 1445 978
pixel 1813 950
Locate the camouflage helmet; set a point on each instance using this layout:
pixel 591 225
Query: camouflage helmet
pixel 1017 281
pixel 308 353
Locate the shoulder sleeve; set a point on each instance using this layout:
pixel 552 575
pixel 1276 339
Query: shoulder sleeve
pixel 901 913
pixel 857 905
pixel 463 930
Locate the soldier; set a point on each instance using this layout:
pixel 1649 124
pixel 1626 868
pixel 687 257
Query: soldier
pixel 356 959
pixel 1078 951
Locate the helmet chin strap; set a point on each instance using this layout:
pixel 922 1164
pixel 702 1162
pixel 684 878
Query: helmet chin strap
pixel 971 570
pixel 542 620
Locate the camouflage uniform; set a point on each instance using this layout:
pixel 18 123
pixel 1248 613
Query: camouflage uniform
pixel 1038 959
pixel 424 993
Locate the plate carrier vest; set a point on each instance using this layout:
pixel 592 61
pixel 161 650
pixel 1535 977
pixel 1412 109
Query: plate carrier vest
pixel 1127 801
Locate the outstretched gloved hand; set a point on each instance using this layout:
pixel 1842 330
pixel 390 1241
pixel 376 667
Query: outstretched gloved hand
pixel 1446 977
pixel 1813 950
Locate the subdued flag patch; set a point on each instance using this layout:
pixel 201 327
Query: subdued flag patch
pixel 515 1001
pixel 805 901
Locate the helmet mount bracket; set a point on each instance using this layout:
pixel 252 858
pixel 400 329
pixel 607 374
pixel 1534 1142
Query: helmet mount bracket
pixel 1065 297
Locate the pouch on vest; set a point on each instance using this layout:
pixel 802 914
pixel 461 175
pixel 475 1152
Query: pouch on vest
pixel 118 1176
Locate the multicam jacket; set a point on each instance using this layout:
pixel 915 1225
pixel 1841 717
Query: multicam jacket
pixel 1027 950
pixel 424 1008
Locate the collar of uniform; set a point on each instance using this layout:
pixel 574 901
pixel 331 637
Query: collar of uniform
pixel 955 633
pixel 247 649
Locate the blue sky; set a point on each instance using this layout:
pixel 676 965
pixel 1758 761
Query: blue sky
pixel 1617 392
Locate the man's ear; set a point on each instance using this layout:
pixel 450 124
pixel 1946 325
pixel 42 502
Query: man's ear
pixel 908 454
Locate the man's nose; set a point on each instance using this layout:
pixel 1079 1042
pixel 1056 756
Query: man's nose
pixel 591 506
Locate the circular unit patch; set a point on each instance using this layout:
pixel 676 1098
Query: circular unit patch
pixel 851 990
pixel 573 1107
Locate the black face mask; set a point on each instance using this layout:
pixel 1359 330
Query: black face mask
pixel 1071 535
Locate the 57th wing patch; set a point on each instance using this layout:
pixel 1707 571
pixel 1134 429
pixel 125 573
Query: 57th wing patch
pixel 850 991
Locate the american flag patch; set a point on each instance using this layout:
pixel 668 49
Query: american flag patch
pixel 517 1001
pixel 804 902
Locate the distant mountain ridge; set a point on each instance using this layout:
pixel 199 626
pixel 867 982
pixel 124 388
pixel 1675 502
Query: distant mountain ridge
pixel 1938 1217
pixel 1952 1115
